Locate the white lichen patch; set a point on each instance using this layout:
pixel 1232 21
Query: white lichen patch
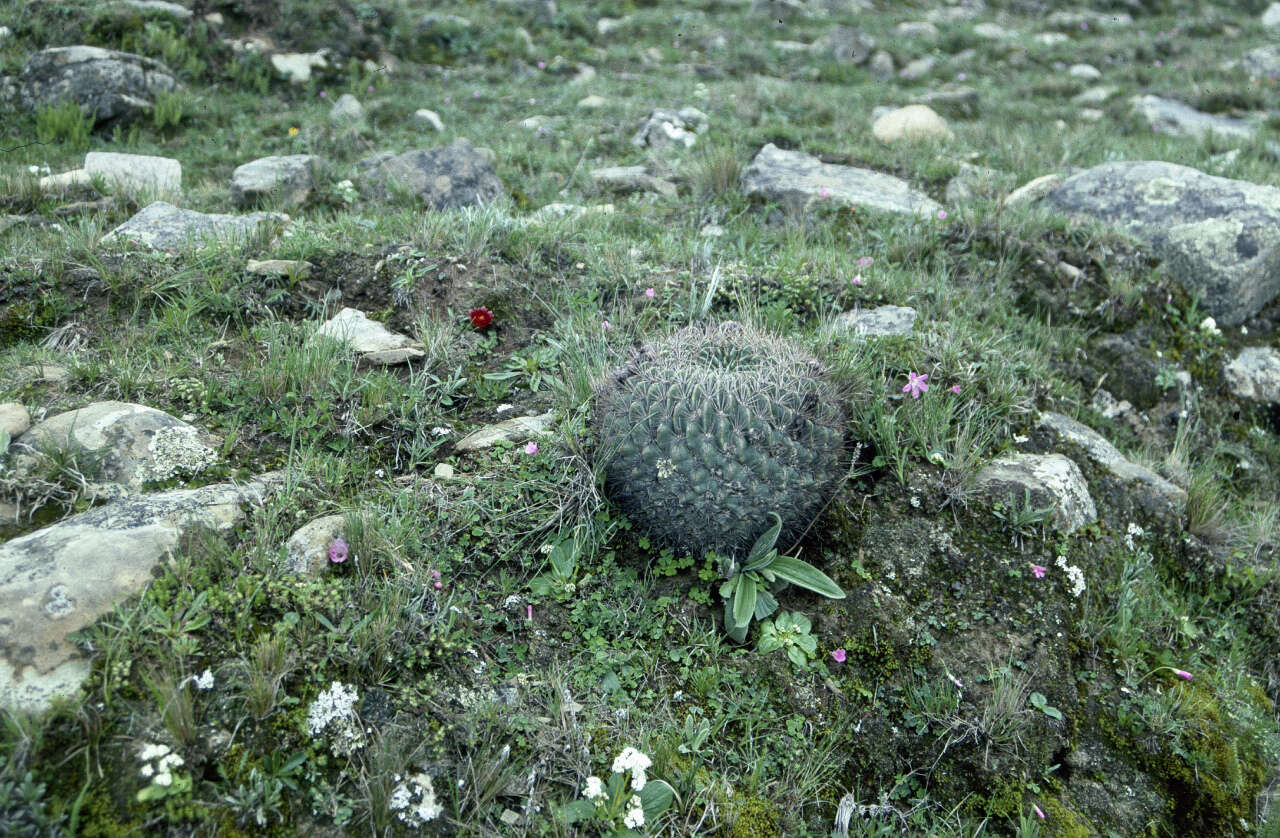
pixel 178 451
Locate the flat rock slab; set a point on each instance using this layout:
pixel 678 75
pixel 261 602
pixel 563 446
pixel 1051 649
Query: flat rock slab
pixel 1137 484
pixel 795 178
pixel 165 227
pixel 60 579
pixel 665 129
pixel 157 7
pixel 288 179
pixel 109 85
pixel 279 267
pixel 512 430
pixel 883 321
pixel 1217 236
pixel 14 419
pixel 1254 375
pixel 297 66
pixel 119 444
pixel 375 342
pixel 135 173
pixel 632 179
pixel 1051 479
pixel 448 177
pixel 1176 119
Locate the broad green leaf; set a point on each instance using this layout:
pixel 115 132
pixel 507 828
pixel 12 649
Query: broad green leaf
pixel 807 642
pixel 578 810
pixel 797 656
pixel 806 576
pixel 765 543
pixel 765 604
pixel 655 798
pixel 744 601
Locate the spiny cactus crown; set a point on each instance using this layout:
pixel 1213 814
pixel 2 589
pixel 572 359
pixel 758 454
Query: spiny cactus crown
pixel 706 432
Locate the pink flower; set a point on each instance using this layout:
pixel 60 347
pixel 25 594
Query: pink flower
pixel 1159 63
pixel 839 655
pixel 1039 812
pixel 866 261
pixel 942 214
pixel 448 100
pixel 1037 570
pixel 916 384
pixel 823 192
pixel 955 388
pixel 857 280
pixel 437 584
pixel 961 76
pixel 532 101
pixel 1183 674
pixel 1155 127
pixel 542 65
pixel 323 94
pixel 606 325
pixel 338 551
pixel 1084 26
pixel 953 679
pixel 531 448
pixel 528 612
pixel 649 292
pixel 369 89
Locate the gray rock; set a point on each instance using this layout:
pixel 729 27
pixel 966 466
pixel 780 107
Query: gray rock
pixel 1263 62
pixel 347 112
pixel 1122 482
pixel 513 430
pixel 118 444
pixel 961 102
pixel 1254 374
pixel 375 343
pixel 14 419
pixel 297 66
pixel 972 183
pixel 1072 18
pixel 555 211
pixel 42 373
pixel 429 117
pixel 1099 95
pixel 918 68
pixel 846 44
pixel 632 179
pixel 1051 479
pixel 916 29
pixel 446 177
pixel 1034 190
pixel 799 179
pixel 287 179
pixel 665 129
pixel 307 551
pixel 279 267
pixel 165 227
pixel 1087 72
pixel 157 7
pixel 59 579
pixel 1271 17
pixel 993 32
pixel 110 86
pixel 135 173
pixel 914 123
pixel 1179 120
pixel 881 66
pixel 1217 236
pixel 883 321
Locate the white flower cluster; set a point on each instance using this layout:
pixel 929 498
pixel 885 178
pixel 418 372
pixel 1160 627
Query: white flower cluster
pixel 1074 575
pixel 1134 531
pixel 634 761
pixel 634 818
pixel 414 800
pixel 1210 327
pixel 202 682
pixel 160 774
pixel 178 450
pixel 335 710
pixel 594 789
pixel 629 760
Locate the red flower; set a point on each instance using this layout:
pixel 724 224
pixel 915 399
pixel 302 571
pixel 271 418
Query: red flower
pixel 481 317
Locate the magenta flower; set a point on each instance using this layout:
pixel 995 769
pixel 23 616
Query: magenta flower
pixel 323 94
pixel 953 679
pixel 531 448
pixel 942 215
pixel 1037 570
pixel 823 192
pixel 961 76
pixel 857 280
pixel 532 101
pixel 866 261
pixel 338 551
pixel 448 100
pixel 1183 674
pixel 369 89
pixel 1084 26
pixel 542 65
pixel 649 292
pixel 839 655
pixel 1159 63
pixel 955 388
pixel 606 325
pixel 528 612
pixel 437 584
pixel 916 384
pixel 1039 812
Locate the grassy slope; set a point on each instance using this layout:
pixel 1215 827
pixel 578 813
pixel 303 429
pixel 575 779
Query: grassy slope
pixel 632 653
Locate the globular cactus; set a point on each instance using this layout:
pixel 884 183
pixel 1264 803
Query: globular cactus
pixel 704 433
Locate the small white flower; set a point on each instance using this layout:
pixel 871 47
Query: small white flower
pixel 146 770
pixel 635 817
pixel 630 758
pixel 170 761
pixel 205 681
pixel 594 789
pixel 638 778
pixel 150 752
pixel 165 779
pixel 1210 326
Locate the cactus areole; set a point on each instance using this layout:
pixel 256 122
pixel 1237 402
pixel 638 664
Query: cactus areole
pixel 704 433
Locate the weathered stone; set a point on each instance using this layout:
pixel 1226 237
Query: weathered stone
pixel 307 550
pixel 882 321
pixel 110 86
pixel 632 179
pixel 430 117
pixel 1088 72
pixel 1034 190
pixel 1263 62
pixel 512 430
pixel 664 129
pixel 1254 374
pixel 796 178
pixel 74 179
pixel 972 182
pixel 14 419
pixel 1218 237
pixel 592 102
pixel 1271 17
pixel 1122 482
pixel 297 66
pixel 287 179
pixel 347 112
pixel 956 101
pixel 1049 479
pixel 375 342
pixel 157 7
pixel 993 31
pixel 135 173
pixel 165 227
pixel 556 211
pixel 913 123
pixel 1176 119
pixel 296 269
pixel 59 579
pixel 42 373
pixel 881 66
pixel 447 177
pixel 118 444
pixel 846 44
pixel 918 68
pixel 1098 95
pixel 916 29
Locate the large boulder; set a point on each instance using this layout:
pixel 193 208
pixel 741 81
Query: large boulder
pixel 1217 236
pixel 1254 374
pixel 1047 480
pixel 165 227
pixel 1168 116
pixel 792 177
pixel 135 174
pixel 447 177
pixel 58 580
pixel 288 179
pixel 109 85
